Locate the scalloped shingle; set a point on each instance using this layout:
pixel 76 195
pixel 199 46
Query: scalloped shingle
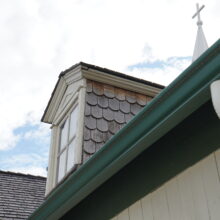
pixel 107 110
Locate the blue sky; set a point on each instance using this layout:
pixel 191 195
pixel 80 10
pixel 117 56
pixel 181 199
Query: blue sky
pixel 152 40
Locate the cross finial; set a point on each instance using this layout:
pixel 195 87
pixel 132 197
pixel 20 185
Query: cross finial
pixel 201 44
pixel 199 22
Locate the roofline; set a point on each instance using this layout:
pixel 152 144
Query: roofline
pixel 112 72
pixel 181 98
pixel 22 174
pixel 87 66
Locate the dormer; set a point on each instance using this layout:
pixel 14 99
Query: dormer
pixel 88 106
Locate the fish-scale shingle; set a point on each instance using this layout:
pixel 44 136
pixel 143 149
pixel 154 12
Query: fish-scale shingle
pixel 20 195
pixel 109 91
pixel 107 110
pixel 102 102
pixel 114 104
pixel 125 106
pixel 96 111
pixel 92 99
pixel 90 122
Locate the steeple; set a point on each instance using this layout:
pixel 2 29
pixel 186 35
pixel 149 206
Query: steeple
pixel 201 43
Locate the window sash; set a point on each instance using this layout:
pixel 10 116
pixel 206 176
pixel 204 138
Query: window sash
pixel 67 148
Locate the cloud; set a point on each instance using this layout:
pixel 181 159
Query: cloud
pixel 159 71
pixel 41 38
pixel 31 163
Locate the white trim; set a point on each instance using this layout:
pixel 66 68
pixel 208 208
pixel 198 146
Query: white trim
pixel 120 82
pixel 57 96
pixel 79 74
pixel 76 99
pixel 215 95
pixel 80 126
pixel 52 164
pixel 59 118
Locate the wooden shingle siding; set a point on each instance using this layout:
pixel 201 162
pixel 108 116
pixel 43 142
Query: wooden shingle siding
pixel 107 110
pixel 193 194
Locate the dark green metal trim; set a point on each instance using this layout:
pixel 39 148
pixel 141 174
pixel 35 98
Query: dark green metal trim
pixel 182 97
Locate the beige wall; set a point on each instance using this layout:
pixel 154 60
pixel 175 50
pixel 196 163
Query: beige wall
pixel 193 194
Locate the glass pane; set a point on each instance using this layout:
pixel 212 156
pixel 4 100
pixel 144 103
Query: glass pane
pixel 71 154
pixel 64 135
pixel 62 163
pixel 73 120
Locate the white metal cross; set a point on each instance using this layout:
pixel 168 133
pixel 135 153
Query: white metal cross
pixel 198 13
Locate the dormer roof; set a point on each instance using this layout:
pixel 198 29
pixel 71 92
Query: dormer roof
pixel 103 75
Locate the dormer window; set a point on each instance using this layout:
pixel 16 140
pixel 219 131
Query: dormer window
pixel 88 106
pixel 67 143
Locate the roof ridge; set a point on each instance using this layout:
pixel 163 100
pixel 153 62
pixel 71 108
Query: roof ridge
pixel 113 72
pixel 22 174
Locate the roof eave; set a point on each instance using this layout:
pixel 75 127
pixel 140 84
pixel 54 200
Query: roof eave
pixel 182 97
pixel 102 75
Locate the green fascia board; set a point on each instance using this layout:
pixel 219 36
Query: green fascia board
pixel 182 97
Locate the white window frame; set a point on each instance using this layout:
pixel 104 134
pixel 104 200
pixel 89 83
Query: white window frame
pixel 77 98
pixel 66 147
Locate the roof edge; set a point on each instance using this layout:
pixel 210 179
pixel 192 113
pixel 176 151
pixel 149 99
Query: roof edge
pixel 22 174
pixel 85 66
pixel 182 97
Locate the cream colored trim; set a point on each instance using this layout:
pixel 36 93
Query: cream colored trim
pixel 78 149
pixel 66 108
pixel 120 82
pixel 73 76
pixel 54 104
pixel 77 99
pixel 52 164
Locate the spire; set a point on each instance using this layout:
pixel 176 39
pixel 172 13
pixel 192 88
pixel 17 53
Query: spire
pixel 201 43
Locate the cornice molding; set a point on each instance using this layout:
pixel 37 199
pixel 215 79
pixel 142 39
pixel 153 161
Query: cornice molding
pixel 120 82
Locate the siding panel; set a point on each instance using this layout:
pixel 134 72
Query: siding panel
pixel 192 195
pixel 147 208
pixel 184 185
pixel 123 215
pixel 173 199
pixel 212 186
pixel 199 199
pixel 159 204
pixel 135 211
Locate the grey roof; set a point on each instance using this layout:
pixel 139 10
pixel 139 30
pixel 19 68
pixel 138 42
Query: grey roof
pixel 107 110
pixel 20 194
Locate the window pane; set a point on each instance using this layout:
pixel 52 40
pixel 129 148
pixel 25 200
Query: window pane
pixel 61 162
pixel 64 135
pixel 71 154
pixel 73 120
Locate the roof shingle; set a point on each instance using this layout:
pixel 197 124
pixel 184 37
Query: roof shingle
pixel 20 195
pixel 107 110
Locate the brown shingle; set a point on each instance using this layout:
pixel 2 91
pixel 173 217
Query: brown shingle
pixel 109 91
pixel 98 88
pixel 106 113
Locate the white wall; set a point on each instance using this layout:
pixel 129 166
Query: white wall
pixel 193 194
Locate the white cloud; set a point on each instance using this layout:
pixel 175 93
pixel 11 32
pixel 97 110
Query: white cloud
pixel 26 163
pixel 41 38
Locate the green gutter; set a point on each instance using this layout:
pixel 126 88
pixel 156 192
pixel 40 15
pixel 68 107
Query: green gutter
pixel 186 94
